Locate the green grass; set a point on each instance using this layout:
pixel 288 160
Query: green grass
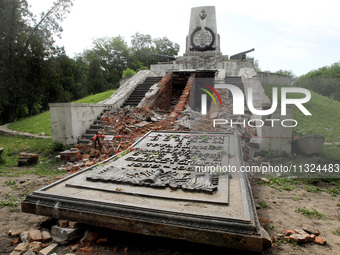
pixel 280 184
pixel 10 202
pixel 14 145
pixel 37 124
pixel 263 204
pixel 310 214
pixel 325 118
pixel 41 123
pixel 94 99
pixel 312 189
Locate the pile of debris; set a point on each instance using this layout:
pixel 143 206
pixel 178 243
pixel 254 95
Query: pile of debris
pixel 31 242
pixel 307 234
pixel 72 235
pixel 27 159
pixel 123 127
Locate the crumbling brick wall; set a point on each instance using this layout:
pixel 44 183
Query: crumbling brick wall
pixel 183 100
pixel 164 96
pixel 158 98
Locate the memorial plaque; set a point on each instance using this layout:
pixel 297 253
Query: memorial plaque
pixel 164 165
pixel 157 189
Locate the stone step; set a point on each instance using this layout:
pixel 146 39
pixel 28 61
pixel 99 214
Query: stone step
pixel 92 131
pixel 83 141
pixel 133 101
pixel 149 83
pixel 136 96
pixel 97 127
pixel 88 136
pixel 142 94
pixel 131 104
pixel 142 88
pixel 98 122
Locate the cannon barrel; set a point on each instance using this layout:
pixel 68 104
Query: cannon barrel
pixel 163 57
pixel 241 55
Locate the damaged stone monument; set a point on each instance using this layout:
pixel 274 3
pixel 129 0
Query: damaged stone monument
pixel 165 184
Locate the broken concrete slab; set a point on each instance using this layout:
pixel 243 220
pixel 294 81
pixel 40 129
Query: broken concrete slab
pixel 151 208
pixel 62 235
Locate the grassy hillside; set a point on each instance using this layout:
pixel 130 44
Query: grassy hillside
pixel 41 123
pixel 325 119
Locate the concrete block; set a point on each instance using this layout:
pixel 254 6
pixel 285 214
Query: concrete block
pixel 49 249
pixel 310 144
pixel 62 235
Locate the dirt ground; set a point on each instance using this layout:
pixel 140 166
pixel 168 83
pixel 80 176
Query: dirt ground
pixel 278 210
pixel 281 206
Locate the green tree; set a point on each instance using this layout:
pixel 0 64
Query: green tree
pixel 128 72
pixel 288 73
pixel 96 80
pixel 164 46
pixel 141 47
pixel 324 81
pixel 24 46
pixel 113 54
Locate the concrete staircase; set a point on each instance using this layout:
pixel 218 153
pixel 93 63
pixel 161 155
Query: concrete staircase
pixel 139 93
pixel 133 100
pixel 94 128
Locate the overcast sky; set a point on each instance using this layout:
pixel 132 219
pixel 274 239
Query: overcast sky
pixel 297 35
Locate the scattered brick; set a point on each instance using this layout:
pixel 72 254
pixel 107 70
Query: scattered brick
pixel 289 232
pixel 70 155
pixel 86 250
pixel 45 236
pixel 310 229
pixel 319 240
pixel 15 241
pixel 35 235
pixel 22 247
pixel 27 159
pixel 35 246
pixel 102 241
pixel 14 233
pixel 265 180
pixel 74 224
pixel 63 223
